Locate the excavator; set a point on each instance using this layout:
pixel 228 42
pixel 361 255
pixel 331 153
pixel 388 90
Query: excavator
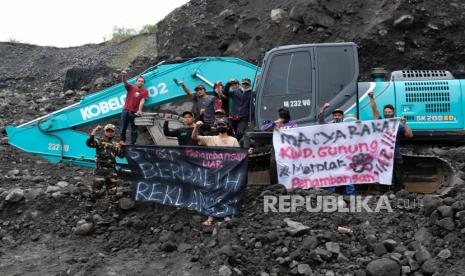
pixel 301 77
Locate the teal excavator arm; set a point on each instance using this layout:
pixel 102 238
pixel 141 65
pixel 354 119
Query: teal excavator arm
pixel 55 137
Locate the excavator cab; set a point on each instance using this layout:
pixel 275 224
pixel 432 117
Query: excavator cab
pixel 303 78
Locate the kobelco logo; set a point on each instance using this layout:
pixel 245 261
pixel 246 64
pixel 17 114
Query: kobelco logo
pixel 95 110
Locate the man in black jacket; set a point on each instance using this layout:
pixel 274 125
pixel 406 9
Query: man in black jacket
pixel 183 134
pixel 241 96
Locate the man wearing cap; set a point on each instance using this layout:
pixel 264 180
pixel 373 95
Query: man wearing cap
pixel 241 97
pixel 204 104
pixel 338 117
pixel 135 99
pixel 105 171
pixel 220 140
pixel 183 134
pixel 221 114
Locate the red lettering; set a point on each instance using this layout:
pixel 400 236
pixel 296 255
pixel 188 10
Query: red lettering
pixel 307 152
pixel 321 151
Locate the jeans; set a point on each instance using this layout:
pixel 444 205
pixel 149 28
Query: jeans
pixel 350 189
pixel 126 118
pixel 239 126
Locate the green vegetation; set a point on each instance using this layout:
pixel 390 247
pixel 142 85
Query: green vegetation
pixel 121 33
pixel 14 40
pixel 148 28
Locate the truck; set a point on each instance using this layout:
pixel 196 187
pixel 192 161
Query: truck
pixel 301 77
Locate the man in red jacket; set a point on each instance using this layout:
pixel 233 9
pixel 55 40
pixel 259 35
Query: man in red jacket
pixel 135 99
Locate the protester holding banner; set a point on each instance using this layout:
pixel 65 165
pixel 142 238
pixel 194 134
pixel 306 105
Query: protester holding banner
pixel 221 114
pixel 183 134
pixel 220 140
pixel 283 122
pixel 403 131
pixel 338 117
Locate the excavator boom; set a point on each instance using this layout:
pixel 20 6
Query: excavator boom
pixel 56 138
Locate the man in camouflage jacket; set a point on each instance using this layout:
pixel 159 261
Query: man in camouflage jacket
pixel 105 171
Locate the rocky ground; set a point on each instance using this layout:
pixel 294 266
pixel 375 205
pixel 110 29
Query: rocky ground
pixel 46 229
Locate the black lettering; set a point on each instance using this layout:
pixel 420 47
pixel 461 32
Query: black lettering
pixel 339 134
pixel 327 137
pixel 365 130
pixel 353 131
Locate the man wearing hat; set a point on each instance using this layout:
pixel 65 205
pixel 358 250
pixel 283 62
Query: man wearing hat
pixel 338 117
pixel 105 170
pixel 183 134
pixel 241 97
pixel 204 104
pixel 220 140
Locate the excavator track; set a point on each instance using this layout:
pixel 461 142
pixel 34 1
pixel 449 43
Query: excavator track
pixel 427 174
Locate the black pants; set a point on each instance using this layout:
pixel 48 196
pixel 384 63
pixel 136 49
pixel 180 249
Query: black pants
pixel 273 168
pixel 398 173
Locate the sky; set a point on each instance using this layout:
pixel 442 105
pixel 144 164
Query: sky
pixel 68 23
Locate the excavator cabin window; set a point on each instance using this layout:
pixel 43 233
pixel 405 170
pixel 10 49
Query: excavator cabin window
pixel 288 83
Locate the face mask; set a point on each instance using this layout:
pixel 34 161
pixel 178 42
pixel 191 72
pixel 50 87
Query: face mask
pixel 222 129
pixel 389 116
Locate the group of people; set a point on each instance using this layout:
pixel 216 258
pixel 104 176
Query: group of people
pixel 217 125
pixel 403 132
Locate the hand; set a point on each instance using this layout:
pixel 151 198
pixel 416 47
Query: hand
pixel 326 106
pixel 97 128
pixel 371 94
pixel 403 120
pixel 202 111
pixel 199 123
pixel 180 82
pixel 138 113
pixel 250 151
pixel 124 73
pixel 168 117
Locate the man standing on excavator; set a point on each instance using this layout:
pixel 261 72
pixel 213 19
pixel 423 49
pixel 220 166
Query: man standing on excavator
pixel 105 171
pixel 204 104
pixel 135 99
pixel 241 96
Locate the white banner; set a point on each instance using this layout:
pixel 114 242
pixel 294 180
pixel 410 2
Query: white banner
pixel 336 154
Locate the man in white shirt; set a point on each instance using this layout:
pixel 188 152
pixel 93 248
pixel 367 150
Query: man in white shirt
pixel 220 140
